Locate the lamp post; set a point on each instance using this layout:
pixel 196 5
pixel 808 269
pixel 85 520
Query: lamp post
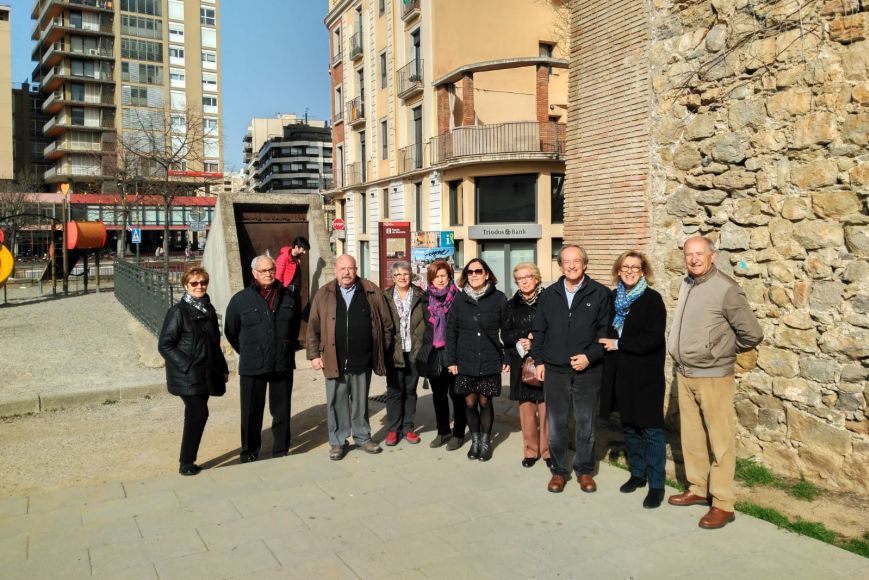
pixel 64 190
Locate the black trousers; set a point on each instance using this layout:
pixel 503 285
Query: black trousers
pixel 296 322
pixel 195 417
pixel 401 396
pixel 253 400
pixel 441 393
pixel 566 392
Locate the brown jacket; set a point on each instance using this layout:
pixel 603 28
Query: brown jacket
pixel 320 339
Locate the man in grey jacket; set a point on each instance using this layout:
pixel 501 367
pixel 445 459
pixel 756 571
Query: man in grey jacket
pixel 713 322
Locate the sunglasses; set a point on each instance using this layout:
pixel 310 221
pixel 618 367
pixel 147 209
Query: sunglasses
pixel 476 272
pixel 197 283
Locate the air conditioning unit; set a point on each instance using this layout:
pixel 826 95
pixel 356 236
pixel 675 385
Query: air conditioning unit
pixel 93 51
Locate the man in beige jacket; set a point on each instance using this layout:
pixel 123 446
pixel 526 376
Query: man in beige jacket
pixel 713 322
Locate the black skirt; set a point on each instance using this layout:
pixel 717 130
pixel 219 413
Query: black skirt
pixel 488 386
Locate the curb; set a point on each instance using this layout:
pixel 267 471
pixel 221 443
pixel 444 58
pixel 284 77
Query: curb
pixel 38 403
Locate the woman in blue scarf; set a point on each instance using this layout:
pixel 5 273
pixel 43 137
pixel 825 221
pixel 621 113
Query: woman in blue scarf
pixel 633 376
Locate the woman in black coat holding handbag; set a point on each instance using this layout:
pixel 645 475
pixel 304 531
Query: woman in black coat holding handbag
pixel 475 355
pixel 516 333
pixel 195 365
pixel 633 375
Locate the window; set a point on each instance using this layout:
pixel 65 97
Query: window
pixel 417 205
pixel 384 202
pixel 150 7
pixel 557 244
pixel 455 202
pixel 176 77
pixel 363 213
pixel 336 44
pixel 209 127
pixel 76 91
pixel 211 147
pixel 211 167
pixel 384 140
pixel 383 70
pixel 209 104
pixel 141 49
pixel 209 60
pixel 176 55
pixel 381 7
pixel 506 198
pixel 135 72
pixel 546 50
pixel 177 100
pixel 176 32
pixel 76 115
pixel 178 123
pixel 364 260
pixel 207 16
pixel 209 82
pixel 75 20
pixel 141 26
pixel 557 198
pixel 339 175
pixel 209 37
pixel 176 9
pixel 339 104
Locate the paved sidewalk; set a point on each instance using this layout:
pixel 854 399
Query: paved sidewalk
pixel 410 512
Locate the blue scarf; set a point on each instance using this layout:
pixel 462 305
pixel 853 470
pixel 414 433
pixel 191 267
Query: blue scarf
pixel 624 301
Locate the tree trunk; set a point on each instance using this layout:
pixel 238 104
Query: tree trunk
pixel 166 215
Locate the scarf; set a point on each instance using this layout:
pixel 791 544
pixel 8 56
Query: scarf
pixel 474 294
pixel 270 295
pixel 624 300
pixel 530 301
pixel 200 304
pixel 439 302
pixel 403 305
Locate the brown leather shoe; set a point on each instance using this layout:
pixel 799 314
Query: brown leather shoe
pixel 687 498
pixel 716 518
pixel 587 484
pixel 556 484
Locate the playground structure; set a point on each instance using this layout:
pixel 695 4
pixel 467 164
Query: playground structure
pixel 82 240
pixel 7 261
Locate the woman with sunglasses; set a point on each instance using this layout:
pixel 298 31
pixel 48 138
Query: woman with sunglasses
pixel 633 374
pixel 475 355
pixel 195 366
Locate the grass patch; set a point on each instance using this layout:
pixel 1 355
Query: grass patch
pixel 805 490
pixel 752 474
pixel 814 530
pixel 110 402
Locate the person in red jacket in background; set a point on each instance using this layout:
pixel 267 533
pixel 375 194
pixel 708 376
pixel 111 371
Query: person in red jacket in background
pixel 289 272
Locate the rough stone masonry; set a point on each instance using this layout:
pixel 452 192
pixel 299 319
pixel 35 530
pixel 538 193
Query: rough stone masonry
pixel 755 132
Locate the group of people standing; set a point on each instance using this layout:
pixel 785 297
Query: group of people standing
pixel 567 347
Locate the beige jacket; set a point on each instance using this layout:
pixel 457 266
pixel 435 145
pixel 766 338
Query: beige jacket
pixel 713 322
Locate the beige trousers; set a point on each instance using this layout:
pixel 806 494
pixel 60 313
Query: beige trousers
pixel 535 435
pixel 708 425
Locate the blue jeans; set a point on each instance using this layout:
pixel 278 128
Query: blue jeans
pixel 567 391
pixel 646 453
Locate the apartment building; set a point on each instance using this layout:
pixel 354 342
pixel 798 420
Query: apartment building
pixel 119 69
pixel 28 141
pixel 450 115
pixel 5 95
pixel 262 129
pixel 233 182
pixel 298 161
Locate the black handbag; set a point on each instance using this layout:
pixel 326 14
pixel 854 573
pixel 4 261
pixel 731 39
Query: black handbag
pixel 430 362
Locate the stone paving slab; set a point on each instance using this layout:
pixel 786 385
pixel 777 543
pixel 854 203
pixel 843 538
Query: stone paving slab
pixel 410 512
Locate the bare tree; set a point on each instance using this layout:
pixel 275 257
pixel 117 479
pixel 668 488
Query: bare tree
pixel 15 198
pixel 124 167
pixel 169 148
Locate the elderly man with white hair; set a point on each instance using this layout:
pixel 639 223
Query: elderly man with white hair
pixel 258 325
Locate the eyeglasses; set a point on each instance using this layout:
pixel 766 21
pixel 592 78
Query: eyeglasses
pixel 523 278
pixel 627 269
pixel 476 272
pixel 267 271
pixel 197 283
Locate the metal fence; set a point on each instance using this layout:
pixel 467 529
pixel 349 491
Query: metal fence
pixel 146 293
pixel 503 138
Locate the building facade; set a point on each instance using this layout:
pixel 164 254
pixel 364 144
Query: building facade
pixel 298 161
pixel 127 71
pixel 6 170
pixel 440 121
pixel 233 182
pixel 28 141
pixel 260 130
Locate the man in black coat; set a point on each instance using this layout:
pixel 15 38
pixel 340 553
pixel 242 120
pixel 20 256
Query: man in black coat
pixel 572 315
pixel 258 325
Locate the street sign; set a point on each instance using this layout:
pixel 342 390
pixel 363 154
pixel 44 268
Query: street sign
pixel 197 226
pixel 337 224
pixel 136 234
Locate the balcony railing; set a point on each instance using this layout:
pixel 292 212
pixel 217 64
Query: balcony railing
pixel 356 45
pixel 410 78
pixel 356 111
pixel 353 174
pixel 502 139
pixel 336 58
pixel 339 115
pixel 410 158
pixel 409 9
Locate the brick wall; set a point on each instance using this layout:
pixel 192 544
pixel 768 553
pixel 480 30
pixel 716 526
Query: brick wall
pixel 608 146
pixel 337 79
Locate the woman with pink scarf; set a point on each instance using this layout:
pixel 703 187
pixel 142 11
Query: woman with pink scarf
pixel 430 360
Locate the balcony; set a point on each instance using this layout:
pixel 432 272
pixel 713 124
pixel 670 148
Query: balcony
pixel 336 58
pixel 356 112
pixel 52 8
pixel 410 81
pixel 55 77
pixel 56 100
pixel 353 174
pixel 338 117
pixel 410 10
pixel 63 171
pixel 60 123
pixel 356 45
pixel 60 147
pixel 508 141
pixel 410 158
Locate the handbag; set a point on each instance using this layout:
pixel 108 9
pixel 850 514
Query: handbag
pixel 528 374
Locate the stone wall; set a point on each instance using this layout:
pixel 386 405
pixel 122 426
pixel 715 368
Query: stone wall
pixel 759 133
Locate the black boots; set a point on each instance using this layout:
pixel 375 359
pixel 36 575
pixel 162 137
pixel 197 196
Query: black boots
pixel 631 485
pixel 653 498
pixel 485 447
pixel 474 451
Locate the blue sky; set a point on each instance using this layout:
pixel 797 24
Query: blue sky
pixel 275 60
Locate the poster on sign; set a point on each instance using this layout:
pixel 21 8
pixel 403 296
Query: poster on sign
pixel 429 246
pixel 394 246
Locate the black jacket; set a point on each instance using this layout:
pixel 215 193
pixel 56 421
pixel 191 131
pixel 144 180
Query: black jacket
pixel 560 333
pixel 633 375
pixel 261 338
pixel 518 318
pixel 190 344
pixel 473 333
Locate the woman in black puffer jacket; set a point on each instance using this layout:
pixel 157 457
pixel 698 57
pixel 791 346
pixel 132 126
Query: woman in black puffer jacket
pixel 195 365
